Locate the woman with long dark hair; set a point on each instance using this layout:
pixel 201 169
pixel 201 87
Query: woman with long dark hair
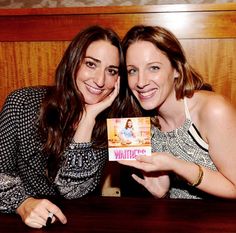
pixel 53 139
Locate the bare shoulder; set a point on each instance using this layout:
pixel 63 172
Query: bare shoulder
pixel 212 106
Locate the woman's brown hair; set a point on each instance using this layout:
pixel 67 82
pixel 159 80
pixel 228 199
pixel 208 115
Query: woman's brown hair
pixel 189 80
pixel 63 105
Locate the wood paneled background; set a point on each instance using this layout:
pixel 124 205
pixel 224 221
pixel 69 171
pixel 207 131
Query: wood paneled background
pixel 86 3
pixel 32 41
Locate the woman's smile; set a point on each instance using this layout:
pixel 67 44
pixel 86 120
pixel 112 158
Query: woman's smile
pixel 145 95
pixel 93 90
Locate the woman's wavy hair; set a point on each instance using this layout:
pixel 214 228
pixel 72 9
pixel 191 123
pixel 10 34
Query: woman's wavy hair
pixel 127 123
pixel 189 80
pixel 63 104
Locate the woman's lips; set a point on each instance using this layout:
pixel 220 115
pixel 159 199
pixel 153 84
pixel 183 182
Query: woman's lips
pixel 146 94
pixel 94 90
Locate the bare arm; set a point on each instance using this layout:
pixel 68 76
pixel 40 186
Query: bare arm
pixel 221 136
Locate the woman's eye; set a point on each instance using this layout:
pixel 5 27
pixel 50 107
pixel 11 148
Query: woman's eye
pixel 90 64
pixel 154 68
pixel 112 72
pixel 131 71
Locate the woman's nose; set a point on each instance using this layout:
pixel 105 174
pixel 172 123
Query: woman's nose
pixel 100 78
pixel 142 80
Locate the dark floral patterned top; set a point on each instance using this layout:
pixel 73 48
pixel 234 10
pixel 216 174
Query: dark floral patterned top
pixel 23 166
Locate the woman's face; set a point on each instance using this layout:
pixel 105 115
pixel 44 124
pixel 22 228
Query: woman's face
pixel 150 74
pixel 129 124
pixel 98 73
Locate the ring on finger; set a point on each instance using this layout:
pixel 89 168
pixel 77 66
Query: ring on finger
pixel 49 219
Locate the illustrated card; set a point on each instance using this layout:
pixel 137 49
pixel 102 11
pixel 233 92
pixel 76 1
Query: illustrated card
pixel 128 137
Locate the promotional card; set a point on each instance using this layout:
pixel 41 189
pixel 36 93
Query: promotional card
pixel 128 137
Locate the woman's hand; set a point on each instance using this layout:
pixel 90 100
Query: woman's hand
pixel 34 212
pixel 94 109
pixel 85 128
pixel 157 184
pixel 155 170
pixel 155 163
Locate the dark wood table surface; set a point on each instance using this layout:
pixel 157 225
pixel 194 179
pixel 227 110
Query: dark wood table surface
pixel 138 215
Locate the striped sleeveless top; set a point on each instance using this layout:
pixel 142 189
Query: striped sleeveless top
pixel 184 143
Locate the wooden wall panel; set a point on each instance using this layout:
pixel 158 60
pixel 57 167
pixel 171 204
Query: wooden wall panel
pixel 185 20
pixel 64 27
pixel 32 41
pixel 28 64
pixel 215 61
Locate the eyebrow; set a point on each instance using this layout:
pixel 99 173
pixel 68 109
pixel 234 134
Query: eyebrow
pixel 150 63
pixel 130 65
pixel 112 66
pixel 98 61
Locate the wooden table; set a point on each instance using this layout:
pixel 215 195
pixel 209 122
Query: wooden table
pixel 138 215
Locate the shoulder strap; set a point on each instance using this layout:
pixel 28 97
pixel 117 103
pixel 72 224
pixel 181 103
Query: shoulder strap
pixel 187 114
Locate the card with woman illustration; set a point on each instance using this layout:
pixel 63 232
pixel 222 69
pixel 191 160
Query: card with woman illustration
pixel 128 137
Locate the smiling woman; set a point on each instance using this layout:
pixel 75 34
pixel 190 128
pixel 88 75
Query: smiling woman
pixel 52 138
pixel 97 76
pixel 193 127
pixel 32 42
pixel 156 67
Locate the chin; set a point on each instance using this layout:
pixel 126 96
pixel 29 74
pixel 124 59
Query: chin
pixel 94 100
pixel 91 102
pixel 148 107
